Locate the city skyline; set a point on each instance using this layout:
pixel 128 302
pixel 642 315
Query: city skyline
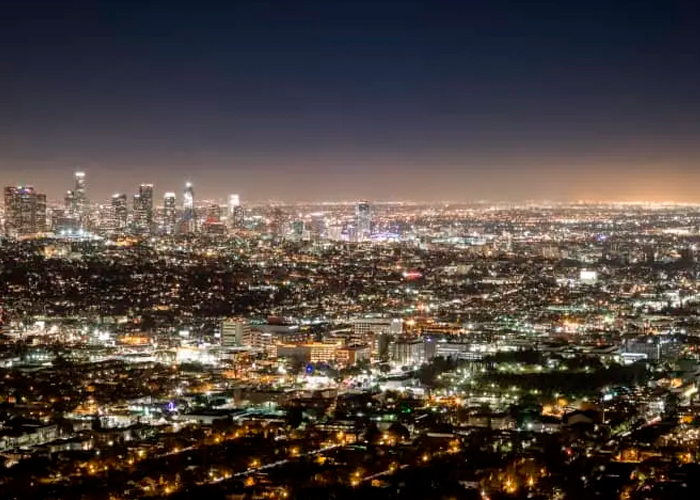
pixel 96 196
pixel 407 100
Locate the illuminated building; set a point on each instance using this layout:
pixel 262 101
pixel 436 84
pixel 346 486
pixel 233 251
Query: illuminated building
pixel 315 352
pixel 213 213
pixel 363 221
pixel 234 332
pixel 169 213
pixel 235 211
pixel 80 196
pixel 352 355
pixel 25 211
pixel 408 351
pixel 119 213
pixel 297 230
pixel 188 214
pixel 75 201
pixel 143 209
pixel 364 327
pixel 69 203
pixel 233 201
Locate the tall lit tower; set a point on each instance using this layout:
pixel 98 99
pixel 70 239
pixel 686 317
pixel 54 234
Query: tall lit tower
pixel 235 211
pixel 25 211
pixel 79 196
pixel 143 209
pixel 120 212
pixel 169 213
pixel 363 217
pixel 188 208
pixel 233 201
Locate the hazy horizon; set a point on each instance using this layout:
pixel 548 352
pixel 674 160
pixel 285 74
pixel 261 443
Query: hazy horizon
pixel 313 100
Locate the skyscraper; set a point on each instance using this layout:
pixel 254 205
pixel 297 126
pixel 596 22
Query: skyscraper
pixel 120 213
pixel 188 214
pixel 235 211
pixel 69 203
pixel 143 209
pixel 25 211
pixel 169 213
pixel 363 218
pixel 80 194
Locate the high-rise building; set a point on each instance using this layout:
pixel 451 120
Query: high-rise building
pixel 236 213
pixel 75 201
pixel 233 201
pixel 119 213
pixel 143 209
pixel 79 198
pixel 80 193
pixel 169 213
pixel 233 332
pixel 363 221
pixel 408 351
pixel 188 213
pixel 69 203
pixel 238 217
pixel 297 230
pixel 135 210
pixel 213 213
pixel 25 211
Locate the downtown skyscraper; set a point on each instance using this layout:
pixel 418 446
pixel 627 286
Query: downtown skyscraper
pixel 25 211
pixel 169 213
pixel 76 200
pixel 119 213
pixel 235 211
pixel 143 209
pixel 363 221
pixel 189 217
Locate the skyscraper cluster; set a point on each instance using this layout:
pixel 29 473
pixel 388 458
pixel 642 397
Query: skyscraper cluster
pixel 26 213
pixel 145 219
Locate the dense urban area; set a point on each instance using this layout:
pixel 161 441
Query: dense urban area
pixel 204 349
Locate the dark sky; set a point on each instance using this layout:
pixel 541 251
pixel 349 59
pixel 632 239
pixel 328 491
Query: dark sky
pixel 305 100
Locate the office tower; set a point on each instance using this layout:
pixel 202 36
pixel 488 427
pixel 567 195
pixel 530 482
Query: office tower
pixel 297 230
pixel 135 210
pixel 233 201
pixel 363 217
pixel 188 214
pixel 143 209
pixel 40 214
pixel 120 213
pixel 238 217
pixel 69 203
pixel 169 213
pixel 80 194
pixel 213 213
pixel 408 351
pixel 25 211
pixel 75 201
pixel 234 332
pixel 236 213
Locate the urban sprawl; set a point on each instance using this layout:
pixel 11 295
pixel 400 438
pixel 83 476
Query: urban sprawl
pixel 223 350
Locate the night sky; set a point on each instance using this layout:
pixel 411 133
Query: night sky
pixel 302 100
